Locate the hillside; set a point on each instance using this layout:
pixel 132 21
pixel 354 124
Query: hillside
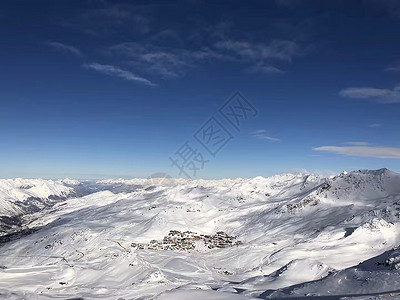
pixel 260 237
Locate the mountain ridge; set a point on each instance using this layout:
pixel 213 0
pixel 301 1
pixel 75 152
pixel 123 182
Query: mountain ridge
pixel 292 228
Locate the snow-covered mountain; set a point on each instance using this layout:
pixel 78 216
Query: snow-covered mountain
pixel 19 197
pixel 219 239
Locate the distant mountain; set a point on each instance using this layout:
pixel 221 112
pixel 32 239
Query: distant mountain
pixel 282 236
pixel 19 197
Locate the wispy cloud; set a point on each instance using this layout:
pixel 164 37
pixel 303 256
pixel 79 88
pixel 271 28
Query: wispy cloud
pixel 374 125
pixel 261 134
pixel 392 6
pixel 364 151
pixel 264 69
pixel 117 72
pixel 169 62
pixel 277 49
pixel 373 94
pixel 393 68
pixel 261 57
pixel 357 143
pixel 171 51
pixel 67 49
pixel 165 62
pixel 106 19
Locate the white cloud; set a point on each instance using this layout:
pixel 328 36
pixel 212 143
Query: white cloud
pixel 172 62
pixel 373 94
pixel 357 143
pixel 65 48
pixel 393 68
pixel 171 51
pixel 117 72
pixel 113 19
pixel 364 151
pixel 265 69
pixel 167 62
pixel 260 57
pixel 161 61
pixel 277 49
pixel 375 125
pixel 262 135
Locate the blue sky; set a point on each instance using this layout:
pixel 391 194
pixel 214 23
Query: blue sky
pixel 104 89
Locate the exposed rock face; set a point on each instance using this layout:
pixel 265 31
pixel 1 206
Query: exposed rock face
pixel 187 241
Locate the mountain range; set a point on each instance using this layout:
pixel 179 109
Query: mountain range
pixel 286 236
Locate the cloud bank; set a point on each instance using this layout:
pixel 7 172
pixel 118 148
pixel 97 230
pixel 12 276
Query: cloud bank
pixel 373 94
pixel 363 151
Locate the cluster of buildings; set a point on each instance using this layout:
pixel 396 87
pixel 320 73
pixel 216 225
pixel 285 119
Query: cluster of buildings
pixel 188 240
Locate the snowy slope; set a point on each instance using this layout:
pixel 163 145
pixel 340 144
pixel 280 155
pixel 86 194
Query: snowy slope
pixel 290 229
pixel 18 190
pixel 21 196
pixel 369 278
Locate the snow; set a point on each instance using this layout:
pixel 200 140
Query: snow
pixel 369 278
pixel 69 181
pixel 295 228
pixel 199 295
pixel 17 191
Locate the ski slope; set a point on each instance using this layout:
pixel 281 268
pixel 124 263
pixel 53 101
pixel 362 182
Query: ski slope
pixel 299 234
